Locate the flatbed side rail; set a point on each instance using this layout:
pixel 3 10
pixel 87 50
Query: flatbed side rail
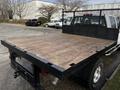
pixel 85 62
pixel 53 69
pixel 112 50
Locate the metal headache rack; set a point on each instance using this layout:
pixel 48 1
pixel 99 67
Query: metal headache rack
pixel 98 11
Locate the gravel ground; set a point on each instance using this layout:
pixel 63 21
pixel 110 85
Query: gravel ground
pixel 7 81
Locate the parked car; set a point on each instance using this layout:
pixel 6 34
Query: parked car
pixel 52 23
pixel 58 24
pixel 67 21
pixel 33 22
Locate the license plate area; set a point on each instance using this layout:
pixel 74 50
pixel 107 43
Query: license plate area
pixel 25 64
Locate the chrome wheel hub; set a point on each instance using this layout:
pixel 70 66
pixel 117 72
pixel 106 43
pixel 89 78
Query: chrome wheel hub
pixel 97 74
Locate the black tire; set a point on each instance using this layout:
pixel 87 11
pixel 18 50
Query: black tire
pixel 56 27
pixel 46 25
pixel 91 80
pixel 85 76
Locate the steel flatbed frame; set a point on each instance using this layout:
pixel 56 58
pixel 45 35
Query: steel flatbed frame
pixel 38 63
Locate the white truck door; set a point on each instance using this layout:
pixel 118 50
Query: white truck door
pixel 117 23
pixel 118 42
pixel 108 22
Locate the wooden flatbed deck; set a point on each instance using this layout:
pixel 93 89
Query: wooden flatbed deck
pixel 61 49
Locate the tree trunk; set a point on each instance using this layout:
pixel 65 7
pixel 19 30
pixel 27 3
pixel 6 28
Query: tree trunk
pixel 49 17
pixel 10 14
pixel 20 16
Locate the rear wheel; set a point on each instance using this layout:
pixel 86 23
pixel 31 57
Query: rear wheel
pixel 46 25
pixel 97 74
pixel 92 75
pixel 96 78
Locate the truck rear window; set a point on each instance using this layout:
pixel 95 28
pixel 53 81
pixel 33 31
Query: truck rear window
pixel 89 20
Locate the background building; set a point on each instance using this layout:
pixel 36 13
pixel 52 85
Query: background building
pixel 32 9
pixel 102 6
pixel 105 6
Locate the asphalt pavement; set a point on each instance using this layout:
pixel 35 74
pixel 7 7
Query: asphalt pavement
pixel 7 81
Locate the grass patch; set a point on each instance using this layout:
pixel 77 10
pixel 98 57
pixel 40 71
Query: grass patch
pixel 14 21
pixel 114 84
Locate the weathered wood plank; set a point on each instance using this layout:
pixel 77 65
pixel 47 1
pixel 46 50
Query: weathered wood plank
pixel 61 49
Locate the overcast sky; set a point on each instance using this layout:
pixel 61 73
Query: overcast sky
pixel 93 1
pixel 103 1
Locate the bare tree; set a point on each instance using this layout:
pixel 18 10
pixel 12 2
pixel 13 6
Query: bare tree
pixel 47 11
pixel 20 8
pixel 3 9
pixel 11 6
pixel 72 4
pixel 8 8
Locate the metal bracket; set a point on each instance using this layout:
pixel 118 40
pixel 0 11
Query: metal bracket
pixel 112 50
pixel 16 74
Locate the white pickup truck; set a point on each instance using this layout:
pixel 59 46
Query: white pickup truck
pixel 57 23
pixel 52 23
pixel 80 50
